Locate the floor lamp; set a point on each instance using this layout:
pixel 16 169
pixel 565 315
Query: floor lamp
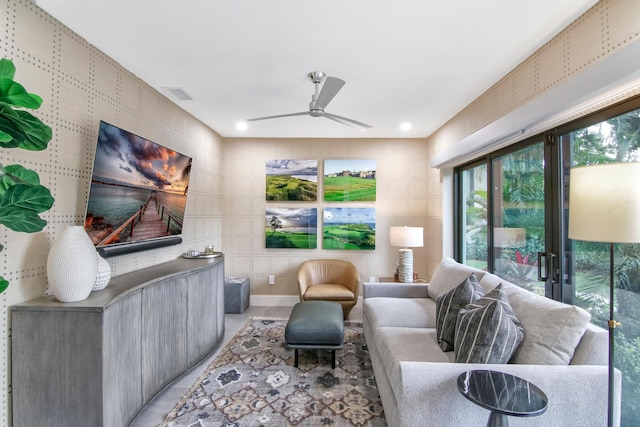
pixel 604 206
pixel 406 237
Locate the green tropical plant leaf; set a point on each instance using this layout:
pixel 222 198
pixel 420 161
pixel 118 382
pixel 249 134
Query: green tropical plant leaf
pixel 22 197
pixel 14 93
pixel 29 197
pixel 5 137
pixel 22 220
pixel 27 131
pixel 7 69
pixel 16 174
pixel 20 175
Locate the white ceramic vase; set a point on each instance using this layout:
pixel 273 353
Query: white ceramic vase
pixel 72 265
pixel 104 274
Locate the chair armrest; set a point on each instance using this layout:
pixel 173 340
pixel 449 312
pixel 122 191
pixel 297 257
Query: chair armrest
pixel 396 290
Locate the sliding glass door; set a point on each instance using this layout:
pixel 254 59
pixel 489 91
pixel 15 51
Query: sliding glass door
pixel 518 194
pixel 512 210
pixel 613 140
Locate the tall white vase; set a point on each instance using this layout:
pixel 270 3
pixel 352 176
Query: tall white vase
pixel 72 265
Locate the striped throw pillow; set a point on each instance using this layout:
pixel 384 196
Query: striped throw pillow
pixel 448 306
pixel 487 331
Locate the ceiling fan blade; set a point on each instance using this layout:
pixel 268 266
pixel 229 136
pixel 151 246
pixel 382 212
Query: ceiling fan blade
pixel 347 121
pixel 330 88
pixel 303 113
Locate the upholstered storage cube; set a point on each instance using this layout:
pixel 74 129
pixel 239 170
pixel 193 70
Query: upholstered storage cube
pixel 236 294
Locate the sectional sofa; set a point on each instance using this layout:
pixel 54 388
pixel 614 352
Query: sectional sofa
pixel 562 353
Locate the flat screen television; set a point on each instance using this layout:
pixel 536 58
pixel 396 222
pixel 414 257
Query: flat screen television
pixel 138 193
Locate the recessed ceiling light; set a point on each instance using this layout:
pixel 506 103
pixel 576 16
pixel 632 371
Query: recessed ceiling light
pixel 242 125
pixel 405 126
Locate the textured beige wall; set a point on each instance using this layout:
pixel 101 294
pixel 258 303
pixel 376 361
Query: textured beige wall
pixel 226 206
pixel 603 30
pixel 606 29
pixel 408 193
pixel 80 86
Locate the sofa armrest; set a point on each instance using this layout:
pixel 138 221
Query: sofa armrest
pixel 397 290
pixel 577 395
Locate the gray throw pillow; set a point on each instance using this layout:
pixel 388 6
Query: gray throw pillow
pixel 448 306
pixel 487 331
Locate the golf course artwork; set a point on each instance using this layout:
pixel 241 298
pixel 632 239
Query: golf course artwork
pixel 291 228
pixel 292 180
pixel 350 180
pixel 349 228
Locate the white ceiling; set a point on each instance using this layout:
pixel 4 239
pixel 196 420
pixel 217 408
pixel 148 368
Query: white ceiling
pixel 418 61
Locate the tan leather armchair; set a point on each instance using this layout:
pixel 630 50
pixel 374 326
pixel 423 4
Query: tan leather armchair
pixel 329 280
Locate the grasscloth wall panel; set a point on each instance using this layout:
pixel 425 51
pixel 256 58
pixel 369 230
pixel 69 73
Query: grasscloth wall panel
pixel 81 86
pixel 408 193
pixel 603 30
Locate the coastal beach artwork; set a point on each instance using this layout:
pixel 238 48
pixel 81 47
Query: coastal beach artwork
pixel 349 228
pixel 138 189
pixel 292 180
pixel 350 180
pixel 291 228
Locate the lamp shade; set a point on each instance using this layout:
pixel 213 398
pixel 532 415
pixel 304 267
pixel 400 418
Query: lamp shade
pixel 406 237
pixel 604 203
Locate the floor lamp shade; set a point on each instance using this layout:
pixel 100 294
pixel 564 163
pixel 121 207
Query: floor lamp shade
pixel 604 206
pixel 406 237
pixel 604 203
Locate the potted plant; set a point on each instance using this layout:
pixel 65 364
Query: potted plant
pixel 22 197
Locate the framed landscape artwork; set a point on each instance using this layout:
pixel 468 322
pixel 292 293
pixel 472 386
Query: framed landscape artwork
pixel 291 228
pixel 349 228
pixel 350 180
pixel 292 180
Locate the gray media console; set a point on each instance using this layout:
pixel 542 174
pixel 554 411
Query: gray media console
pixel 98 362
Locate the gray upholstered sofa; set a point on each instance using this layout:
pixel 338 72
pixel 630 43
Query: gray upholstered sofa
pixel 562 353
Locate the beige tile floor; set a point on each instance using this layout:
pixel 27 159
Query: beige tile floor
pixel 153 414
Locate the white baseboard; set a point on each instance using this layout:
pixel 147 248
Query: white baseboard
pixel 274 300
pixel 280 300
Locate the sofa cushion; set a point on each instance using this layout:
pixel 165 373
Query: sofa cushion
pixel 449 304
pixel 408 312
pixel 552 329
pixel 487 331
pixel 396 345
pixel 449 275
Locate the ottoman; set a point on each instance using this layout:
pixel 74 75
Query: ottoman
pixel 315 325
pixel 236 294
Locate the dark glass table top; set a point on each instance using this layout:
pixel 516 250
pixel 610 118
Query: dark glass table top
pixel 502 393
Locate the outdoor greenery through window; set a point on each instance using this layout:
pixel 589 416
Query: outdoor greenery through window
pixel 610 141
pixel 512 206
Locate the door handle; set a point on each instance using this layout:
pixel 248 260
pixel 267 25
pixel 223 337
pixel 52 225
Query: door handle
pixel 549 262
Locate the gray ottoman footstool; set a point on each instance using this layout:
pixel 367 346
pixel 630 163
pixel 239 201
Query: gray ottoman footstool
pixel 315 325
pixel 236 294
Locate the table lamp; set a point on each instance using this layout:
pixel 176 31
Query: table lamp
pixel 604 206
pixel 406 237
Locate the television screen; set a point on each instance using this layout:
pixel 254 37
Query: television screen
pixel 138 193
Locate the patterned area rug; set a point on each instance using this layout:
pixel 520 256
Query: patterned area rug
pixel 253 383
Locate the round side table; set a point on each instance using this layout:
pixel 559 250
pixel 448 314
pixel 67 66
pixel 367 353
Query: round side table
pixel 503 394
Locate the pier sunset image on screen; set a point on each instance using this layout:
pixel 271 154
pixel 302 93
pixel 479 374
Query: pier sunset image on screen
pixel 138 189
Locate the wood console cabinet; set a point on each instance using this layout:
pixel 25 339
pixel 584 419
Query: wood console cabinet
pixel 98 362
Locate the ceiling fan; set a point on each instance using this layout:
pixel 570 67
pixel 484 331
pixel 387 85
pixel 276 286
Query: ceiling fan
pixel 319 101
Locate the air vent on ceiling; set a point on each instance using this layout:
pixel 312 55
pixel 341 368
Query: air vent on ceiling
pixel 178 93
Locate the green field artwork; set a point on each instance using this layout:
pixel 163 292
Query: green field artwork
pixel 349 228
pixel 350 180
pixel 291 228
pixel 292 180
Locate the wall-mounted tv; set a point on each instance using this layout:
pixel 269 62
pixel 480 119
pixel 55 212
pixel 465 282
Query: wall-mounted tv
pixel 138 193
